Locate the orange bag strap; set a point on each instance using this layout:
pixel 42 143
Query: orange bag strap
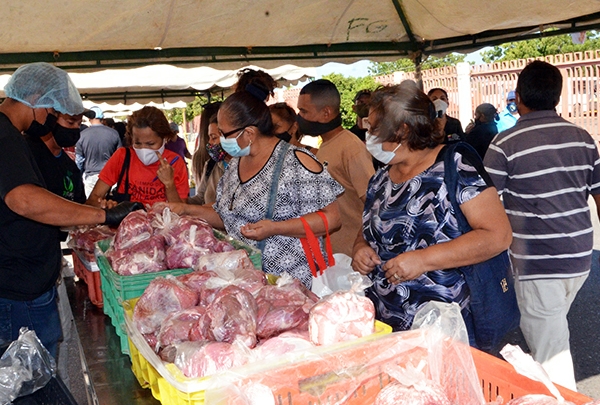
pixel 312 248
pixel 328 248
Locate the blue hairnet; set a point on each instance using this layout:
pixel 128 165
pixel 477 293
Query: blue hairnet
pixel 41 85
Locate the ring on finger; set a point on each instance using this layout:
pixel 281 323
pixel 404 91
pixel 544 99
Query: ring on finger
pixel 396 277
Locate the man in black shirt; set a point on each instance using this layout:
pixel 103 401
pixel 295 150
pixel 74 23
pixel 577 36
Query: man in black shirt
pixel 30 257
pixel 483 130
pixel 361 109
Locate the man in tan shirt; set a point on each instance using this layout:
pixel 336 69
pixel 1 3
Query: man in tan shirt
pixel 344 155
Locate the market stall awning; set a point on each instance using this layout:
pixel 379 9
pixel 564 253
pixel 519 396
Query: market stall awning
pixel 229 34
pixel 165 83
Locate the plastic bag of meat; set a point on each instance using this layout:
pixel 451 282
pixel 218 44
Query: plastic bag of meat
pixel 196 280
pixel 177 326
pixel 129 231
pixel 231 268
pixel 162 218
pixel 287 342
pixel 197 359
pixel 537 399
pixel 232 316
pixel 412 386
pixel 283 307
pixel 84 239
pixel 147 256
pixel 162 297
pixel 342 316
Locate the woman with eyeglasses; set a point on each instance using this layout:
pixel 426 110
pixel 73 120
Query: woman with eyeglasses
pixel 267 187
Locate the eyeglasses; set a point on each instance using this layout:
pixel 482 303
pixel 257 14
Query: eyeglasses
pixel 226 134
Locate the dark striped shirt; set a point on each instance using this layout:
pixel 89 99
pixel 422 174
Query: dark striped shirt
pixel 545 168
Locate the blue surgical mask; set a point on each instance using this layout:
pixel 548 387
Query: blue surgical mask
pixel 231 146
pixel 375 148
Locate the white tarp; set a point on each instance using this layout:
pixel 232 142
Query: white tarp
pixel 237 32
pixel 157 78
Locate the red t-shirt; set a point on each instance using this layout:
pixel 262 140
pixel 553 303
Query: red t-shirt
pixel 142 184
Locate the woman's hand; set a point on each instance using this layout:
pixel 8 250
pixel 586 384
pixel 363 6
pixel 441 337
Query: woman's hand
pixel 165 172
pixel 404 267
pixel 178 208
pixel 259 230
pixel 107 204
pixel 365 259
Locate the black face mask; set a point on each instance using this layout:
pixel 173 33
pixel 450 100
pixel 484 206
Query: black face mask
pixel 37 130
pixel 314 128
pixel 65 137
pixel 285 136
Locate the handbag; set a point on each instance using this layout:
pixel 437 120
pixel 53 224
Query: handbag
pixel 114 194
pixel 493 303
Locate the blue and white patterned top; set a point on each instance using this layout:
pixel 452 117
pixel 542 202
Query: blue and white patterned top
pixel 300 192
pixel 409 216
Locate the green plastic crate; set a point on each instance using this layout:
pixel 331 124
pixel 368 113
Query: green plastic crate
pixel 117 288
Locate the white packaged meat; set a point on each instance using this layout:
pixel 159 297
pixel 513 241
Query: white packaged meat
pixel 197 359
pixel 287 342
pixel 162 297
pixel 340 317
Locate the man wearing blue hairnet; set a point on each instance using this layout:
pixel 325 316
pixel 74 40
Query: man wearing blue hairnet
pixel 30 215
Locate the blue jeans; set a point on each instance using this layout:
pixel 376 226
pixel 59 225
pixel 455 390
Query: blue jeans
pixel 40 315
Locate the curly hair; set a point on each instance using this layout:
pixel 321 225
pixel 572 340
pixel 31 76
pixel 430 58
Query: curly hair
pixel 149 117
pixel 403 113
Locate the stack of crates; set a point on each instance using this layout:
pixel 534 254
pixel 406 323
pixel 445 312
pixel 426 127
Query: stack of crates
pixel 88 271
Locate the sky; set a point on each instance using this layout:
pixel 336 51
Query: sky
pixel 361 68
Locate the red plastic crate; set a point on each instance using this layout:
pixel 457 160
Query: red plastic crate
pixel 91 278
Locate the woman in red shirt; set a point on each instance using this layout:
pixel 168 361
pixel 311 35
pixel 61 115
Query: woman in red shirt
pixel 154 174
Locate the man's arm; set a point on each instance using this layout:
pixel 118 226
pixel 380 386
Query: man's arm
pixel 38 204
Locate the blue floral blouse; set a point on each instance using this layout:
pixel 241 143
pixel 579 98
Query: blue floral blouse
pixel 414 215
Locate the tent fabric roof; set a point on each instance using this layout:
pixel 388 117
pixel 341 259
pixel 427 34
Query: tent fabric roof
pixel 230 34
pixel 165 83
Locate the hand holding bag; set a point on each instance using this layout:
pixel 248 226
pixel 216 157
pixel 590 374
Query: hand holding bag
pixel 493 300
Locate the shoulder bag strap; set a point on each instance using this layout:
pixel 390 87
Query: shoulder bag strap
pixel 273 188
pixel 451 177
pixel 124 172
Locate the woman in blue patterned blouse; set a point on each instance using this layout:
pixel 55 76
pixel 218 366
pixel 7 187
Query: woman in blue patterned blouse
pixel 410 243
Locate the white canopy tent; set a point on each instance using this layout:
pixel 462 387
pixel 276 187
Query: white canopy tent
pixel 82 36
pixel 230 34
pixel 163 84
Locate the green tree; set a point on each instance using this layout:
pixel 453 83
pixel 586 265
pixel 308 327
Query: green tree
pixel 539 47
pixel 407 65
pixel 348 87
pixel 192 109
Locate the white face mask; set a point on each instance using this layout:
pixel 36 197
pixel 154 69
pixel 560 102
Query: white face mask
pixel 440 106
pixel 148 156
pixel 375 148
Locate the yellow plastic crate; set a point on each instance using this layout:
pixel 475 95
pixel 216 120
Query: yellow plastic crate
pixel 171 387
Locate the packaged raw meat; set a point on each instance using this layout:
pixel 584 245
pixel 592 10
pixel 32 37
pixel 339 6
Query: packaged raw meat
pixel 342 316
pixel 177 326
pixel 197 359
pixel 83 239
pixel 398 394
pixel 287 342
pixel 232 268
pixel 162 297
pixel 283 307
pixel 232 316
pixel 146 256
pixel 196 280
pixel 129 231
